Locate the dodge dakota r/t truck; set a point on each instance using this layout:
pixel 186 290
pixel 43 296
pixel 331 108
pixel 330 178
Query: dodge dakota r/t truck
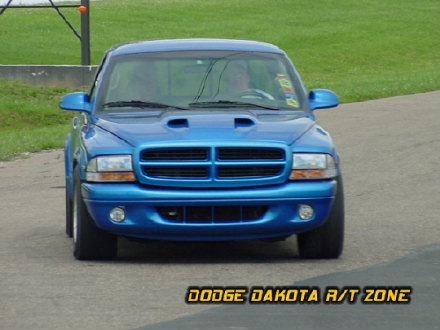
pixel 201 140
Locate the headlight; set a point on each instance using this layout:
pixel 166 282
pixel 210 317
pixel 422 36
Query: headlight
pixel 116 168
pixel 313 167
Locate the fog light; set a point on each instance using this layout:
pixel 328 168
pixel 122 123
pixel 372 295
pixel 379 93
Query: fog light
pixel 306 212
pixel 117 214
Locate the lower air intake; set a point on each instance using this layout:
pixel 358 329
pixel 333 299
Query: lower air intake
pixel 212 214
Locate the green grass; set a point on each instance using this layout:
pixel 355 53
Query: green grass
pixel 360 49
pixel 30 119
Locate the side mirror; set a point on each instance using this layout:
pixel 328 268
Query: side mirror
pixel 322 98
pixel 76 102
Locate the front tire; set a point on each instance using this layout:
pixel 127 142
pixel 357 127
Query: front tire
pixel 89 242
pixel 326 241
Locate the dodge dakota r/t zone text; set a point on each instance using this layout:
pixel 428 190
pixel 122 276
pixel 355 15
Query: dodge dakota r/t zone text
pixel 201 140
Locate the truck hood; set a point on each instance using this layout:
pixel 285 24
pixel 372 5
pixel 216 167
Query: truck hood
pixel 137 129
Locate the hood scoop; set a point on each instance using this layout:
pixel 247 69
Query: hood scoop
pixel 243 122
pixel 178 123
pixel 237 123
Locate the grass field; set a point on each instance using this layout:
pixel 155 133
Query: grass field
pixel 361 50
pixel 30 119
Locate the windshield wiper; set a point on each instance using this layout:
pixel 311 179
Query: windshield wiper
pixel 232 103
pixel 141 104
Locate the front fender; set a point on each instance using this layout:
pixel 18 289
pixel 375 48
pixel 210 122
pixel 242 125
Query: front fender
pixel 75 154
pixel 68 165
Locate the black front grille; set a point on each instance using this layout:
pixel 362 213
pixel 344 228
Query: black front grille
pixel 248 171
pixel 177 172
pixel 212 214
pixel 250 154
pixel 175 154
pixel 212 166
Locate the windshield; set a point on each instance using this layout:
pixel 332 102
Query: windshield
pixel 199 79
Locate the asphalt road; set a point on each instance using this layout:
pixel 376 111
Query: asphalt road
pixel 391 174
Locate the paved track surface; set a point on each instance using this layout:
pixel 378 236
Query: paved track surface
pixel 391 175
pixel 421 269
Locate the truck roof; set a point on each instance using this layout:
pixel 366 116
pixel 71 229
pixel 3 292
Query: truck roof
pixel 194 44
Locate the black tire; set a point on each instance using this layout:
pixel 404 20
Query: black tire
pixel 69 225
pixel 89 242
pixel 326 241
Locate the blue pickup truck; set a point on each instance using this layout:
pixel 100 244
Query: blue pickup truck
pixel 201 140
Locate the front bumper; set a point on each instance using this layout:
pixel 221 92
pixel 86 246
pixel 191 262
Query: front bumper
pixel 144 221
